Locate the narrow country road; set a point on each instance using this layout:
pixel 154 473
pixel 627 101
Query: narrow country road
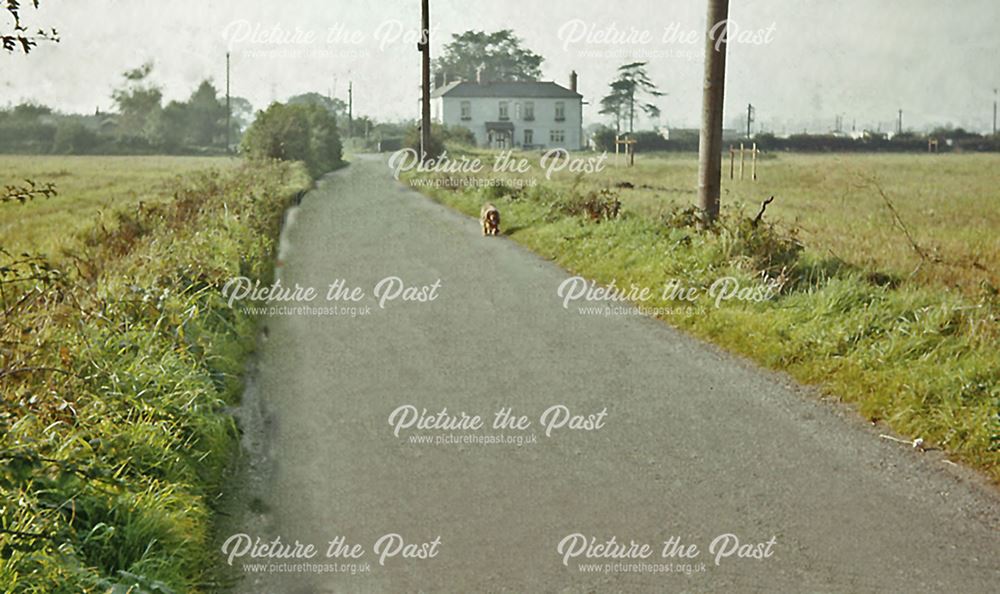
pixel 694 443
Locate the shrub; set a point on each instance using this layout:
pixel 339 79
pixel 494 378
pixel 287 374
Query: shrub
pixel 596 206
pixel 73 138
pixel 299 132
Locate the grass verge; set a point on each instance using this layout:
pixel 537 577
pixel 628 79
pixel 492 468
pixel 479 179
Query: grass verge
pixel 118 358
pixel 922 359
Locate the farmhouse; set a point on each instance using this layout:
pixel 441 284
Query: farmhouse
pixel 509 114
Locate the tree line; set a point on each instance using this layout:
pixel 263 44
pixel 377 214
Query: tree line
pixel 140 122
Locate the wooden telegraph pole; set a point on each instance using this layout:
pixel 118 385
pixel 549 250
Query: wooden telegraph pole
pixel 350 109
pixel 229 111
pixel 425 92
pixel 710 142
pixel 994 112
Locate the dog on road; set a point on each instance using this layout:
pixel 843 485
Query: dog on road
pixel 489 218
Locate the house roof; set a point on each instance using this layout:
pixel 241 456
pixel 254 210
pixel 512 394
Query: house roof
pixel 526 89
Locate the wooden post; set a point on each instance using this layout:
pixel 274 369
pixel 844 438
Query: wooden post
pixel 618 160
pixel 743 159
pixel 631 154
pixel 713 95
pixel 732 162
pixel 229 108
pixel 425 72
pixel 753 166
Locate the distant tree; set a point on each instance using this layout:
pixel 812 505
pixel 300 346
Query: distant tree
pixel 300 132
pixel 335 106
pixel 614 105
pixel 500 54
pixel 206 117
pixel 73 138
pixel 27 128
pixel 30 111
pixel 626 93
pixel 138 102
pixel 15 35
pixel 953 133
pixel 242 114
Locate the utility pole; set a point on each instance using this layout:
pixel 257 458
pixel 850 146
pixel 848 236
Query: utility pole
pixel 425 91
pixel 994 112
pixel 899 124
pixel 749 118
pixel 713 94
pixel 350 109
pixel 229 111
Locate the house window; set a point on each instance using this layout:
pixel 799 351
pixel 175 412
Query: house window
pixel 517 111
pixel 557 136
pixel 560 111
pixel 466 110
pixel 504 115
pixel 529 110
pixel 529 137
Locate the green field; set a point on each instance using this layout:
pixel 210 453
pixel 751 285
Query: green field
pixel 87 187
pixel 949 204
pixel 894 312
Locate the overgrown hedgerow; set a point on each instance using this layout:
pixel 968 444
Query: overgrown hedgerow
pixel 116 362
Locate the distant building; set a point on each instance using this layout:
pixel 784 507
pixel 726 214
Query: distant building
pixel 503 115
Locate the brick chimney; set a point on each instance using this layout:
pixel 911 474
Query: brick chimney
pixel 479 74
pixel 572 81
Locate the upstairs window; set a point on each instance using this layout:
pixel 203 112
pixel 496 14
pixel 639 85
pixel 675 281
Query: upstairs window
pixel 560 111
pixel 466 110
pixel 504 114
pixel 529 110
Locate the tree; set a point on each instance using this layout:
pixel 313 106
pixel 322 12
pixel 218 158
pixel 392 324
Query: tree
pixel 206 121
pixel 138 101
pixel 500 55
pixel 626 92
pixel 337 107
pixel 242 112
pixel 306 133
pixel 15 35
pixel 614 105
pixel 73 138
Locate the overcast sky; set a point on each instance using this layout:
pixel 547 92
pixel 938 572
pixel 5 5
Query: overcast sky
pixel 860 59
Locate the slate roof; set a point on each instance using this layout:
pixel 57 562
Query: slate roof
pixel 519 90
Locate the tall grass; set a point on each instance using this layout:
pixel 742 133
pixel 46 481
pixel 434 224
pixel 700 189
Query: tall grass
pixel 118 358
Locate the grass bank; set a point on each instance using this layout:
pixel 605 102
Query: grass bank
pixel 907 351
pixel 118 356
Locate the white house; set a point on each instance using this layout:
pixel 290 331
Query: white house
pixel 527 115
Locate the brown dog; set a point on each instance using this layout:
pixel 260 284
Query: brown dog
pixel 489 217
